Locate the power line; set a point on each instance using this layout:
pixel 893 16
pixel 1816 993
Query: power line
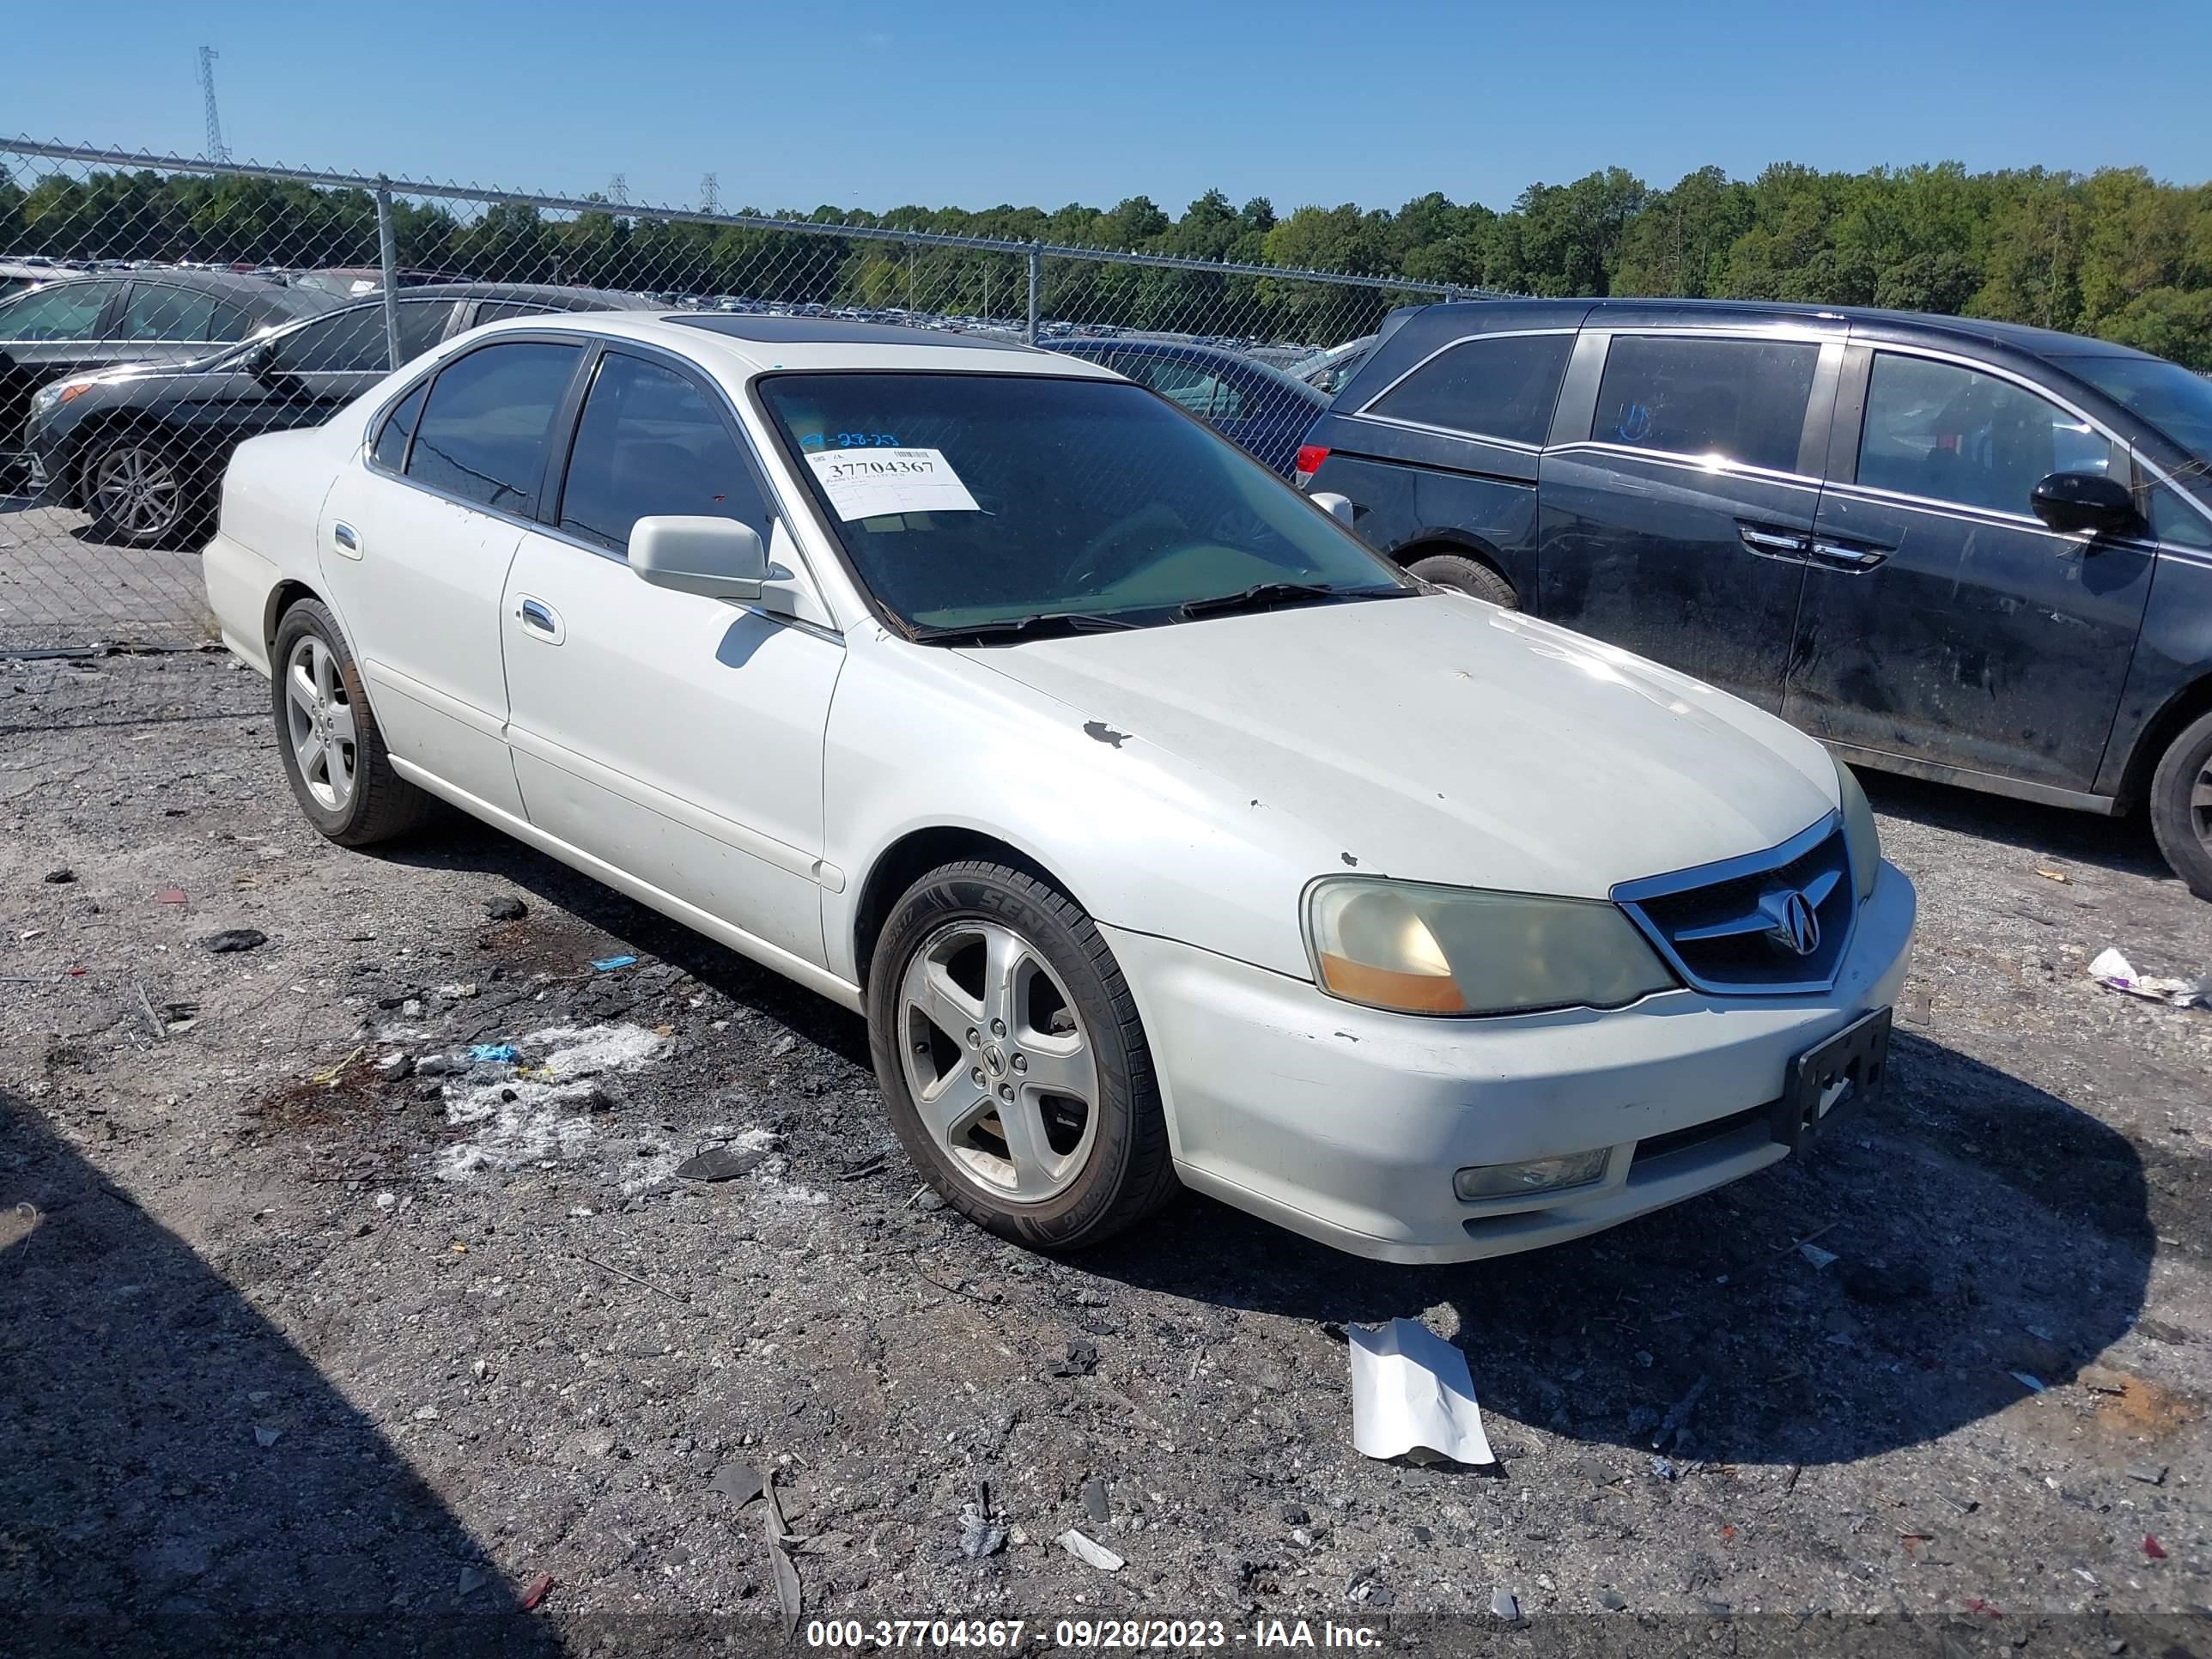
pixel 216 149
pixel 618 190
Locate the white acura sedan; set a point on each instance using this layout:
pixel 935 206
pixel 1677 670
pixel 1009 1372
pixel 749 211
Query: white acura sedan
pixel 1164 833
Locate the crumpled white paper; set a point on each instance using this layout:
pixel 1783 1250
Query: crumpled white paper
pixel 1411 1392
pixel 2115 973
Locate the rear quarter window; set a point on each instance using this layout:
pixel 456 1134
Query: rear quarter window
pixel 1491 386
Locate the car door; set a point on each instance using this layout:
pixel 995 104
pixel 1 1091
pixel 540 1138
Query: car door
pixel 45 334
pixel 1942 621
pixel 1677 521
pixel 675 737
pixel 415 541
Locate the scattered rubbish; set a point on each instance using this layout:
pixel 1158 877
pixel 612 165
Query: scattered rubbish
pixel 2032 1384
pixel 1089 1553
pixel 328 1078
pixel 1677 1415
pixel 267 1437
pixel 30 933
pixel 1366 1588
pixel 978 1536
pixel 392 1068
pixel 1411 1392
pixel 539 1587
pixel 2153 1548
pixel 506 909
pixel 1506 1605
pixel 719 1163
pixel 2151 1474
pixel 786 1575
pixel 455 992
pixel 863 1170
pixel 523 1118
pixel 1975 1604
pixel 622 1273
pixel 1817 1256
pixel 1612 1601
pixel 1080 1359
pixel 60 878
pixel 2114 971
pixel 171 895
pixel 1095 1502
pixel 153 1022
pixel 493 1053
pixel 608 965
pixel 232 938
pixel 436 1065
pixel 1662 1468
pixel 2052 875
pixel 738 1482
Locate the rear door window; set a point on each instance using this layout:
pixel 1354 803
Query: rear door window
pixel 483 432
pixel 157 311
pixel 650 442
pixel 1500 386
pixel 1955 435
pixel 1740 400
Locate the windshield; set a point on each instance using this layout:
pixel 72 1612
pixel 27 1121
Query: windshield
pixel 967 499
pixel 2175 400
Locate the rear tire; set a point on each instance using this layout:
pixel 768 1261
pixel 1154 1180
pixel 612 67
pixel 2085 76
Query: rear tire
pixel 2181 805
pixel 1465 575
pixel 1012 1059
pixel 334 755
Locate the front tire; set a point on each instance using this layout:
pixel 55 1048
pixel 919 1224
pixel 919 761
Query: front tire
pixel 2181 805
pixel 141 492
pixel 334 755
pixel 1010 1054
pixel 1465 575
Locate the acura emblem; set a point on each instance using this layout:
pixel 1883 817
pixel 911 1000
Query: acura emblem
pixel 1795 927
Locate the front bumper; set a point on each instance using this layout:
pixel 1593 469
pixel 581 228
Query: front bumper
pixel 1346 1124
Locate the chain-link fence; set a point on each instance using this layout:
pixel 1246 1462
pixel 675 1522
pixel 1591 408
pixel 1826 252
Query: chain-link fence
pixel 165 308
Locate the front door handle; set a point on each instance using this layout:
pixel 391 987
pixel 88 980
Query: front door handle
pixel 1774 544
pixel 1849 556
pixel 540 620
pixel 345 538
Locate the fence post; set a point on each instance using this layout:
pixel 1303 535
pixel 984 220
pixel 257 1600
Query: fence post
pixel 1037 270
pixel 385 257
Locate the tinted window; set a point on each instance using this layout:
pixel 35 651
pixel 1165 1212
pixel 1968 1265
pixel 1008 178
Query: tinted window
pixel 1195 386
pixel 651 443
pixel 68 311
pixel 2171 398
pixel 494 312
pixel 2172 519
pixel 352 342
pixel 229 323
pixel 1497 388
pixel 1956 435
pixel 1742 399
pixel 483 432
pixel 167 314
pixel 398 427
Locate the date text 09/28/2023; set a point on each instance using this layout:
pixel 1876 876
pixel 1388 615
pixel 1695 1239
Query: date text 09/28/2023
pixel 1148 1635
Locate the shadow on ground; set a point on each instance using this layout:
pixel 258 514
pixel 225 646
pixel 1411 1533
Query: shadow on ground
pixel 140 1509
pixel 2123 845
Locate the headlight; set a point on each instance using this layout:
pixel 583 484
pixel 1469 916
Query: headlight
pixel 53 396
pixel 1418 949
pixel 1860 836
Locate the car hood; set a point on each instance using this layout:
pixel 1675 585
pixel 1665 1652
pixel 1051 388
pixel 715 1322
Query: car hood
pixel 1440 739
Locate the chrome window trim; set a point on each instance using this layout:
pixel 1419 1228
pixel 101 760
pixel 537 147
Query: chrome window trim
pixel 1630 897
pixel 1716 466
pixel 1365 411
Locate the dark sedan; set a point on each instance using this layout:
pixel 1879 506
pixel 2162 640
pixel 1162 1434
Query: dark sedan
pixel 158 316
pixel 143 450
pixel 1260 409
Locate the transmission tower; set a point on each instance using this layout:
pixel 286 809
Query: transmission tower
pixel 216 149
pixel 618 189
pixel 710 193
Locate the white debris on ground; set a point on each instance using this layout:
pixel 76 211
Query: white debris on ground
pixel 529 1114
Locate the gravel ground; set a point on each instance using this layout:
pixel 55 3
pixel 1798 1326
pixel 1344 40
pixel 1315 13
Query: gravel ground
pixel 291 1331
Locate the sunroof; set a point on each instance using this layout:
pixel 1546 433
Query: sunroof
pixel 827 331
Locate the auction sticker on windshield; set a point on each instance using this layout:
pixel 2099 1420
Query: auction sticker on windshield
pixel 873 483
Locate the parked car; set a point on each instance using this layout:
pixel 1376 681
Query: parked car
pixel 166 316
pixel 143 449
pixel 1159 828
pixel 16 275
pixel 352 282
pixel 1329 372
pixel 1962 549
pixel 1260 409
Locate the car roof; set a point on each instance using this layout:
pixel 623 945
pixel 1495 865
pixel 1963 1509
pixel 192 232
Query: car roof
pixel 564 297
pixel 258 295
pixel 1190 351
pixel 743 345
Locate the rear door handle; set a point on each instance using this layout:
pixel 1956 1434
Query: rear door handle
pixel 345 538
pixel 540 620
pixel 1774 544
pixel 1849 556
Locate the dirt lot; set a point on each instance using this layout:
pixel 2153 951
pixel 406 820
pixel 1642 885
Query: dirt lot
pixel 292 1333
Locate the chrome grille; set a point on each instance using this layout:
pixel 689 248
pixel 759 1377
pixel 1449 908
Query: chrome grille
pixel 1738 928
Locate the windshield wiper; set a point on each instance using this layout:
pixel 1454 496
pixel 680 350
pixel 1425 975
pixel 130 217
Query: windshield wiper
pixel 1262 595
pixel 1072 622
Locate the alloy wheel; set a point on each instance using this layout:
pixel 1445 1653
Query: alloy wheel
pixel 319 723
pixel 137 489
pixel 1001 1072
pixel 2200 804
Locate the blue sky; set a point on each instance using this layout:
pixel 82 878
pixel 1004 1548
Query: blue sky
pixel 978 102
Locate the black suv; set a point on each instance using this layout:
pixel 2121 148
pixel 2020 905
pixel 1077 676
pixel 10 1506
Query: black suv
pixel 1964 551
pixel 143 450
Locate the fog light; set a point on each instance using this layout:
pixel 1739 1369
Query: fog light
pixel 1538 1174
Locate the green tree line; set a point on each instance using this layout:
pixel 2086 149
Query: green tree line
pixel 2114 253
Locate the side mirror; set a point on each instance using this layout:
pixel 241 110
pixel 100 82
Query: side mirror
pixel 1338 508
pixel 719 558
pixel 2074 502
